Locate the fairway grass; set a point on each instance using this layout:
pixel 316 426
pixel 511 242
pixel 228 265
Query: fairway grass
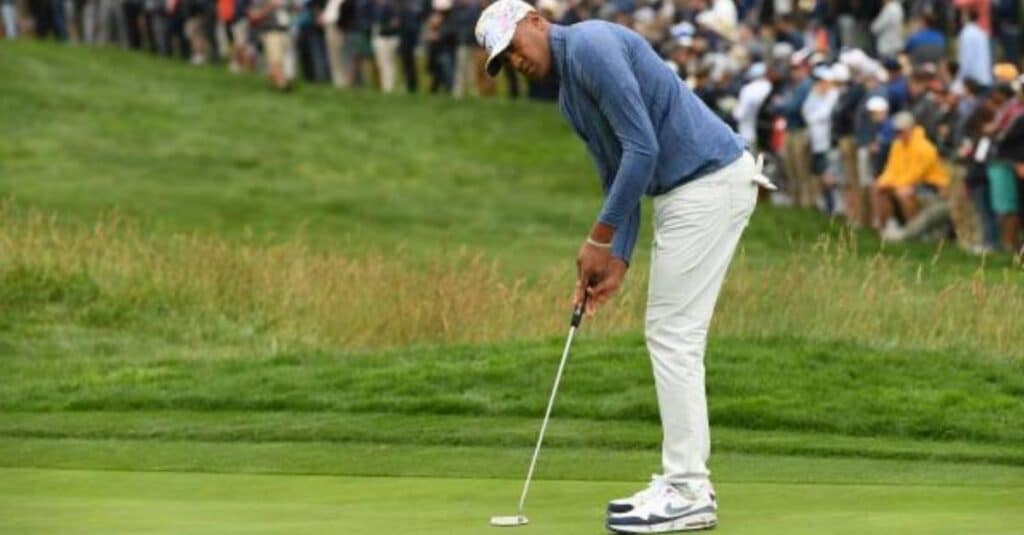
pixel 78 501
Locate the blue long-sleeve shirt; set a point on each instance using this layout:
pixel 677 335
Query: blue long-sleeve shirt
pixel 646 131
pixel 792 106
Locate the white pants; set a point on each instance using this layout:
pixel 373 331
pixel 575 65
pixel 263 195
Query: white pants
pixel 696 229
pixel 385 51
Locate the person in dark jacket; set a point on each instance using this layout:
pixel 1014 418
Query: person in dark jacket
pixel 843 129
pixel 411 14
pixel 441 43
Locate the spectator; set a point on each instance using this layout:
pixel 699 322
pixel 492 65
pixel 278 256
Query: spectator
pixel 1005 73
pixel 844 120
pixel 880 131
pixel 1012 148
pixel 926 44
pixel 131 13
pixel 913 162
pixel 817 113
pixel 270 19
pixel 334 41
pixel 975 55
pixel 975 152
pixel 358 46
pixel 412 13
pixel 795 156
pixel 441 46
pixel 195 22
pixel 927 110
pixel 983 9
pixel 888 29
pixel 310 42
pixel 387 30
pixel 225 15
pixel 1008 30
pixel 1002 178
pixel 9 13
pixel 751 99
pixel 897 89
pixel 243 57
pixel 961 209
pixel 465 14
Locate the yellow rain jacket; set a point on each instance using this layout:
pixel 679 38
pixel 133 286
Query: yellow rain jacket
pixel 913 162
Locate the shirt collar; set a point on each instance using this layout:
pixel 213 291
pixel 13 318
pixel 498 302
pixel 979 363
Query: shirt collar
pixel 557 40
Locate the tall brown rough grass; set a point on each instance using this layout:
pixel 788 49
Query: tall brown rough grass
pixel 315 298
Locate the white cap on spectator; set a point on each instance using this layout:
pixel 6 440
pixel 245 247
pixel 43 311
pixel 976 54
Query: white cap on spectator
pixel 823 73
pixel 903 120
pixel 683 29
pixel 800 56
pixel 496 27
pixel 781 50
pixel 642 16
pixel 880 73
pixel 441 5
pixel 855 59
pixel 877 104
pixel 840 73
pixel 756 70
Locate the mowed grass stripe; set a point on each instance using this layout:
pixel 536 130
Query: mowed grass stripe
pixel 49 501
pixel 768 384
pixel 384 460
pixel 397 429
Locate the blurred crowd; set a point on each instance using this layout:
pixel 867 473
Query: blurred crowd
pixel 903 116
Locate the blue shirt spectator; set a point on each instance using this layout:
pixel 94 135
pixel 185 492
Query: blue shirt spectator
pixel 975 54
pixel 792 105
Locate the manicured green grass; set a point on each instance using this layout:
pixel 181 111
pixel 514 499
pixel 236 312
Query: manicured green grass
pixel 767 384
pixel 45 501
pixel 232 427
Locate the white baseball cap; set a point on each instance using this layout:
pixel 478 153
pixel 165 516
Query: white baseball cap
pixel 840 73
pixel 496 26
pixel 877 104
pixel 757 70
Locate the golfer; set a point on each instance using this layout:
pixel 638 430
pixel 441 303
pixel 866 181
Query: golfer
pixel 648 134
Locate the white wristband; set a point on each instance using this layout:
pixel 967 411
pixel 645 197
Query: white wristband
pixel 599 245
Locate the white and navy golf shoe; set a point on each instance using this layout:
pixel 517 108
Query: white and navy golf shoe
pixel 625 505
pixel 663 508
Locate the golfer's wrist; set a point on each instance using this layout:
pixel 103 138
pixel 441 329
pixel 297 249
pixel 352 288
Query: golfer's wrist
pixel 601 233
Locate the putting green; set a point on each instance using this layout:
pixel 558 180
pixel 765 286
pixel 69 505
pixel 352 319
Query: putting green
pixel 83 501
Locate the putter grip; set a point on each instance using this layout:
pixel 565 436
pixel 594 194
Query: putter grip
pixel 577 315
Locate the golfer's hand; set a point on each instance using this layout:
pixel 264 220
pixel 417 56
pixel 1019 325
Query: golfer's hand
pixel 599 275
pixel 608 286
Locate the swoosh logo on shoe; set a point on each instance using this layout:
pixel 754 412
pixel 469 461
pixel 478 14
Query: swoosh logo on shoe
pixel 676 511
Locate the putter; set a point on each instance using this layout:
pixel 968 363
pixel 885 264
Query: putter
pixel 519 519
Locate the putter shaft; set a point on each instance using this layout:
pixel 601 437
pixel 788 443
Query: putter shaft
pixel 551 403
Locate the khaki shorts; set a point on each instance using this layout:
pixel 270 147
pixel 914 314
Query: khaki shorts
pixel 276 46
pixel 240 33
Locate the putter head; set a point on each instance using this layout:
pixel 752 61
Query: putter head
pixel 508 521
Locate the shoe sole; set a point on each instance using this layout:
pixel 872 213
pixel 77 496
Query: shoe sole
pixel 690 523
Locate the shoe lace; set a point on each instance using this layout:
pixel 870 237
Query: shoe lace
pixel 659 484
